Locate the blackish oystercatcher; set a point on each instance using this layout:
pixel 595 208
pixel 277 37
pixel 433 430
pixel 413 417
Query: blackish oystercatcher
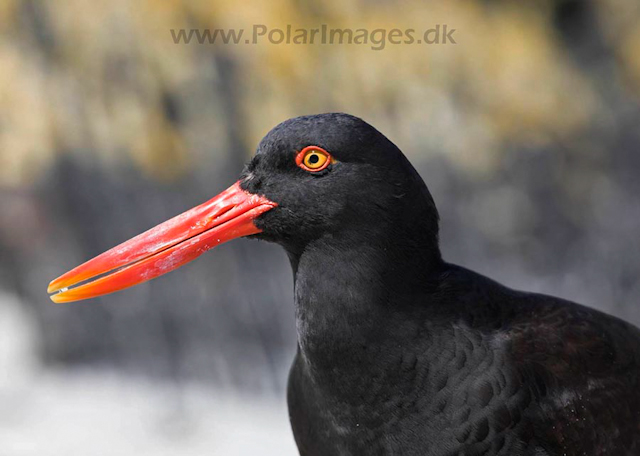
pixel 399 352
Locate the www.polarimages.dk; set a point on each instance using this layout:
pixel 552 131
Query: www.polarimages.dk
pixel 377 39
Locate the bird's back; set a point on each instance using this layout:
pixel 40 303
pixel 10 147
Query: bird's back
pixel 583 367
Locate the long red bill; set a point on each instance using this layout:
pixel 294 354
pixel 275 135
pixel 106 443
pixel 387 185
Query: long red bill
pixel 165 247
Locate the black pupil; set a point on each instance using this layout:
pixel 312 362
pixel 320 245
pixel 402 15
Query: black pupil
pixel 314 158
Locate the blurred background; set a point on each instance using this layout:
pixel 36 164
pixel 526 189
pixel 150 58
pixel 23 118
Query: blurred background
pixel 526 131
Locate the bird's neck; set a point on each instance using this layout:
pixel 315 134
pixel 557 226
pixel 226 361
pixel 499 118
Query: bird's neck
pixel 348 289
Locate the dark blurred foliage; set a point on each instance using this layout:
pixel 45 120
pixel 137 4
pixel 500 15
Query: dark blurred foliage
pixel 526 132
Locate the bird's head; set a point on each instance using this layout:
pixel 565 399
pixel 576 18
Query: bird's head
pixel 332 174
pixel 327 176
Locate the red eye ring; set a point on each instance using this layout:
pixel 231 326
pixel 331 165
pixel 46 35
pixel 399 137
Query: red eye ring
pixel 314 159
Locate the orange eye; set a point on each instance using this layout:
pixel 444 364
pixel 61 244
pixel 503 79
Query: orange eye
pixel 313 158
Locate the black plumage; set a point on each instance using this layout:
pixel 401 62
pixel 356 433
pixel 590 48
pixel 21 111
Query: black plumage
pixel 401 353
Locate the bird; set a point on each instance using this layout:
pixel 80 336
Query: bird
pixel 398 351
